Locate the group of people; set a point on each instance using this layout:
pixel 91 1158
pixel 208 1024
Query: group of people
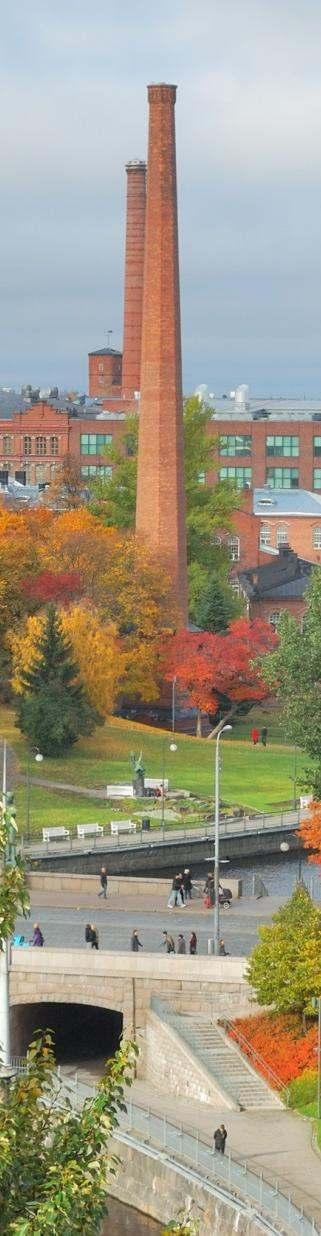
pixel 169 943
pixel 181 891
pixel 256 734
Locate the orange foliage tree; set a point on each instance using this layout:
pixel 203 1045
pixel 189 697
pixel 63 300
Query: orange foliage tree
pixel 220 671
pixel 279 1042
pixel 310 832
pixel 94 645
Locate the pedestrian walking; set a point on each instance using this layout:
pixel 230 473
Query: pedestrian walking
pixel 103 881
pixel 193 944
pixel 37 939
pixel 264 735
pixel 219 1138
pixel 168 942
pixel 177 893
pixel 222 950
pixel 135 943
pixel 255 734
pixel 181 944
pixel 94 936
pixel 88 933
pixel 187 884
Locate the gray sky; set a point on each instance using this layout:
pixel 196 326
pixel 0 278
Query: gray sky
pixel 73 110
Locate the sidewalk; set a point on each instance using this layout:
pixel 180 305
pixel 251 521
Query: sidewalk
pixel 277 1142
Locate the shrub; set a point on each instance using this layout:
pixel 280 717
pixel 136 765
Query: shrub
pixel 279 1040
pixel 303 1090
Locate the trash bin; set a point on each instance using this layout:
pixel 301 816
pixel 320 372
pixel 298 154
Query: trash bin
pixel 145 824
pixel 210 947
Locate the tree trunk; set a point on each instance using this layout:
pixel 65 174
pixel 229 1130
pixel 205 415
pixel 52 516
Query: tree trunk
pixel 199 724
pixel 231 713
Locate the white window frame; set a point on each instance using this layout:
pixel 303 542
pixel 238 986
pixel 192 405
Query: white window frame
pixel 233 545
pixel 316 537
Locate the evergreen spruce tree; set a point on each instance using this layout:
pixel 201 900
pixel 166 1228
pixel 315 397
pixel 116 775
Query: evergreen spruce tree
pixel 218 605
pixel 54 710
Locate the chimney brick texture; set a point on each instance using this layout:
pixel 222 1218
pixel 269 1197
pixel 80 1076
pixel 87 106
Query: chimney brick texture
pixel 160 514
pixel 134 276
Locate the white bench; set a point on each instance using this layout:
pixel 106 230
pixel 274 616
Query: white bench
pixel 90 830
pixel 55 834
pixel 122 826
pixel 120 791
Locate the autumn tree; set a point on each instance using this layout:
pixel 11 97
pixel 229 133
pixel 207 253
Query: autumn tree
pixel 67 490
pixel 59 587
pixel 310 832
pixel 293 673
pixel 285 966
pixel 53 709
pixel 219 672
pixel 95 649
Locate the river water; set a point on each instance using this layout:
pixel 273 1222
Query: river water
pixel 124 1221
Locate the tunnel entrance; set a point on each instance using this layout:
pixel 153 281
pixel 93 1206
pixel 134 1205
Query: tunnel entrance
pixel 82 1032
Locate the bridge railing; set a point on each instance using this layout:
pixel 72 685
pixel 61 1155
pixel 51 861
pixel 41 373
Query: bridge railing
pixel 183 1146
pixel 234 826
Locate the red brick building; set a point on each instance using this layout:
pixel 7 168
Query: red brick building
pixel 275 586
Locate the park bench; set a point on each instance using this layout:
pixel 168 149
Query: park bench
pixel 55 834
pixel 90 830
pixel 122 826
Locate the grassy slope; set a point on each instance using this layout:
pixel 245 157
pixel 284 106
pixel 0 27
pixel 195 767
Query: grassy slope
pixel 253 777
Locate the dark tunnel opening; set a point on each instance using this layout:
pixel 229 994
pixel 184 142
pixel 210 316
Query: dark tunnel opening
pixel 81 1031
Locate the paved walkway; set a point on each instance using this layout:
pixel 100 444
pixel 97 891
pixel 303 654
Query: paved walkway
pixel 278 1142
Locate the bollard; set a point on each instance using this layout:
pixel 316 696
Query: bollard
pixel 210 947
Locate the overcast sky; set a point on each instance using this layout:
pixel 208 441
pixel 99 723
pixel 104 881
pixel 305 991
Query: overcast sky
pixel 73 111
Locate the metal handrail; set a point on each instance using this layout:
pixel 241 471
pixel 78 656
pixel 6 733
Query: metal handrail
pixel 228 1025
pixel 257 824
pixel 183 1147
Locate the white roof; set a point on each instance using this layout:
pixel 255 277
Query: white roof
pixel 286 502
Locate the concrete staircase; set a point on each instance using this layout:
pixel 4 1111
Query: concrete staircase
pixel 221 1057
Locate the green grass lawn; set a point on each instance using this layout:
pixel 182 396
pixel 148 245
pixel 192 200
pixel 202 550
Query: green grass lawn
pixel 255 778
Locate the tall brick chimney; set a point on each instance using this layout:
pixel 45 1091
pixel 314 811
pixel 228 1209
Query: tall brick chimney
pixel 134 276
pixel 160 513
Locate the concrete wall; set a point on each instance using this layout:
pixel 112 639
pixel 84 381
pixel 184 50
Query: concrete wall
pixel 173 1069
pixel 127 886
pixel 161 1190
pixel 126 981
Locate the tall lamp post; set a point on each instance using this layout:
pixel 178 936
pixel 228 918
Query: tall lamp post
pixel 221 730
pixel 9 859
pixel 172 747
pixel 38 758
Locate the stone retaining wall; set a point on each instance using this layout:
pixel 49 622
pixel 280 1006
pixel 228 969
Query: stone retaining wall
pixel 125 886
pixel 172 1068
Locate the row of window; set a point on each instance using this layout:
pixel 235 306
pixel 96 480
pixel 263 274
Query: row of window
pixel 94 443
pixel 282 536
pixel 275 444
pixel 96 470
pixel 40 445
pixel 276 478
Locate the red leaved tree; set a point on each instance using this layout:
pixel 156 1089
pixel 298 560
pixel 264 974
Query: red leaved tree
pixel 220 672
pixel 59 587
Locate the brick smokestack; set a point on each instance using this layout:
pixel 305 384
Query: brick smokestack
pixel 134 276
pixel 160 514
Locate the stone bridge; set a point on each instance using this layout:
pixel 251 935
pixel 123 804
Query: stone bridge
pixel 123 983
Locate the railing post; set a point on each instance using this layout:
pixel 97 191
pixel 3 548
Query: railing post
pixel 164 1133
pixel 261 1189
pixel 197 1148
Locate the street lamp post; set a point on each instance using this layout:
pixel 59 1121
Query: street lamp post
pixel 221 730
pixel 173 703
pixel 317 1006
pixel 285 847
pixel 172 747
pixel 38 758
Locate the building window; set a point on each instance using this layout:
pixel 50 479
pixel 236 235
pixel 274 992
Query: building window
pixel 27 445
pixel 283 478
pixel 7 444
pixel 274 617
pixel 242 477
pixel 201 478
pixel 282 535
pixel 235 444
pixel 277 444
pixel 94 443
pixel 234 548
pixel 54 445
pixel 41 445
pixel 96 470
pixel 265 535
pixel 316 538
pixel 100 367
pixel 317 446
pixel 234 584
